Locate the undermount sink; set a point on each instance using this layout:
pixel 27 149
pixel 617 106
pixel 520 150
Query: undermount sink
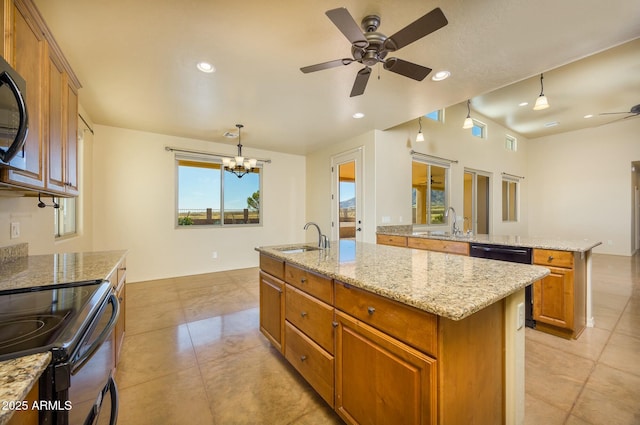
pixel 297 249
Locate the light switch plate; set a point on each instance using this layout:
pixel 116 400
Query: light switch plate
pixel 15 230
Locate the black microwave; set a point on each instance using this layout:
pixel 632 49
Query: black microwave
pixel 13 113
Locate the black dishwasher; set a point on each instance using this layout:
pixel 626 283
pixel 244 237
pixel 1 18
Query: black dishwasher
pixel 513 254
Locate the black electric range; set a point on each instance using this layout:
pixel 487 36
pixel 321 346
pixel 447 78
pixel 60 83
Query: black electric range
pixel 75 322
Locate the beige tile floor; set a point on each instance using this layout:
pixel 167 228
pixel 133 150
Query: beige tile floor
pixel 193 355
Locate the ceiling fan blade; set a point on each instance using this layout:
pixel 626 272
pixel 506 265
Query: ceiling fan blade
pixel 429 23
pixel 614 113
pixel 326 65
pixel 408 69
pixel 342 19
pixel 361 82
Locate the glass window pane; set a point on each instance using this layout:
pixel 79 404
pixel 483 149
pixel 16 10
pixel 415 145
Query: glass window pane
pixel 198 193
pixel 509 200
pixel 347 199
pixel 419 192
pixel 242 198
pixel 65 217
pixel 429 193
pixel 438 198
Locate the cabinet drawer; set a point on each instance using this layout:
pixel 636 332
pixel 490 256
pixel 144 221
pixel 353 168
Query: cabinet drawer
pixel 391 240
pixel 319 286
pixel 549 257
pixel 272 266
pixel 450 247
pixel 313 363
pixel 412 326
pixel 311 316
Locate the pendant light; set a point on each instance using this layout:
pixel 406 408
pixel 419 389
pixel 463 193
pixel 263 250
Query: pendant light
pixel 468 122
pixel 239 165
pixel 541 101
pixel 420 136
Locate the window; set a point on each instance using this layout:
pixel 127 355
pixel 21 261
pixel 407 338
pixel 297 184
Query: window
pixel 479 129
pixel 437 115
pixel 208 195
pixel 509 200
pixel 511 143
pixel 64 217
pixel 429 192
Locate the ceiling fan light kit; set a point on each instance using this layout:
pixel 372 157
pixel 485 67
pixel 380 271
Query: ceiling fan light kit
pixel 371 47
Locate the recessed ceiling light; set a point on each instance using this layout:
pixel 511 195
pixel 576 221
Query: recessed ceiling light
pixel 551 124
pixel 588 116
pixel 206 67
pixel 441 75
pixel 358 115
pixel 523 103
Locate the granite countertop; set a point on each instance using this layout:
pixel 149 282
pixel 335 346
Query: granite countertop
pixel 17 377
pixel 42 270
pixel 451 286
pixel 583 245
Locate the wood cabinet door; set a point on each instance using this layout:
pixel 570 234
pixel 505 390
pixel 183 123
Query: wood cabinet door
pixel 553 298
pixel 29 47
pixel 380 380
pixel 272 309
pixel 71 145
pixel 56 172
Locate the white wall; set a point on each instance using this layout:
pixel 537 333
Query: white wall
pixel 581 185
pixel 388 170
pixel 134 196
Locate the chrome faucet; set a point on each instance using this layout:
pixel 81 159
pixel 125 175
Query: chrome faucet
pixel 454 225
pixel 323 241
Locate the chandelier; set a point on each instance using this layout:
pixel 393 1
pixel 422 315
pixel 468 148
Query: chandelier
pixel 239 165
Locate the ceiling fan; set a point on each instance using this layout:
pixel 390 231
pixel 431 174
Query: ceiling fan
pixel 372 47
pixel 633 112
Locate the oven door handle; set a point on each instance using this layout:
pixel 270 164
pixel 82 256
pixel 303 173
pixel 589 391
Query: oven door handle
pixel 86 356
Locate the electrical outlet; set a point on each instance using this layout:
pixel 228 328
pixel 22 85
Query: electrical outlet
pixel 15 230
pixel 214 255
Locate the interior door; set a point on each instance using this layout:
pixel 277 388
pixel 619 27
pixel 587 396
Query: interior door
pixel 346 199
pixel 476 202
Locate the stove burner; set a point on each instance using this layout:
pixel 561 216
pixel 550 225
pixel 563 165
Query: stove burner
pixel 34 302
pixel 17 332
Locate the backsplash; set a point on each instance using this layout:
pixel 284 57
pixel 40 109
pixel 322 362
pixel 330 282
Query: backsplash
pixel 13 252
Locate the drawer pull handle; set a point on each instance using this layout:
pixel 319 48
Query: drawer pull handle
pixel 303 313
pixel 303 279
pixel 550 258
pixel 303 358
pixel 371 310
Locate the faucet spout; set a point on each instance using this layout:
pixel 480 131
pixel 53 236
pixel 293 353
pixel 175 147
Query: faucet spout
pixel 454 225
pixel 321 237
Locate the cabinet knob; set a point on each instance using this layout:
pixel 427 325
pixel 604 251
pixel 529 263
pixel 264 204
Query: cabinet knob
pixel 303 313
pixel 303 358
pixel 371 310
pixel 303 279
pixel 550 258
pixel 334 324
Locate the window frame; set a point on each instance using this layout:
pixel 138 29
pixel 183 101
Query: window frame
pixel 59 219
pixel 511 143
pixel 506 208
pixel 439 115
pixel 217 161
pixel 447 192
pixel 483 129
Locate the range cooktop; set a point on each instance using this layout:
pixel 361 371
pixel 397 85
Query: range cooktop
pixel 43 318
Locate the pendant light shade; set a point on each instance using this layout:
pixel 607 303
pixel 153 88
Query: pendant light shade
pixel 468 122
pixel 420 136
pixel 541 101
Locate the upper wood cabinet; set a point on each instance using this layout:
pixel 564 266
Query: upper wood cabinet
pixel 49 161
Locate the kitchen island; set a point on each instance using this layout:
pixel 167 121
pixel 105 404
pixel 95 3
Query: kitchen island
pixel 561 303
pixel 402 335
pixel 19 376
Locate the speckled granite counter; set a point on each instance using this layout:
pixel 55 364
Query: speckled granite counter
pixel 41 270
pixel 17 377
pixel 523 241
pixel 451 286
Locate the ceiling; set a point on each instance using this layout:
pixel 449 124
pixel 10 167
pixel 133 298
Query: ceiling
pixel 136 60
